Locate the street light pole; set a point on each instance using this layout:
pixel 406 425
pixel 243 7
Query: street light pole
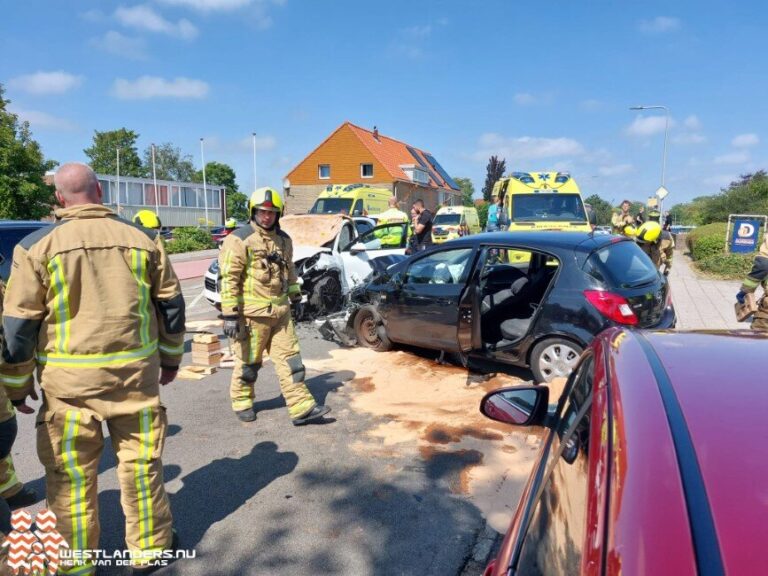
pixel 255 182
pixel 664 153
pixel 205 188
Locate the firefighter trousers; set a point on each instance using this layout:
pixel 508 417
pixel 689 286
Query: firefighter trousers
pixel 277 337
pixel 69 444
pixel 9 483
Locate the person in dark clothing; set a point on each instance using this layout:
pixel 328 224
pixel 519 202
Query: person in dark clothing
pixel 640 218
pixel 667 221
pixel 422 226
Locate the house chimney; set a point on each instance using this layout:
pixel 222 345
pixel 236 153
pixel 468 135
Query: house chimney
pixel 375 133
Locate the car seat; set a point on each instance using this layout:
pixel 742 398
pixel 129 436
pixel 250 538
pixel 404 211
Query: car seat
pixel 517 326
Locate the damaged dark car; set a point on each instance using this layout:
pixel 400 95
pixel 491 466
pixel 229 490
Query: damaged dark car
pixel 526 299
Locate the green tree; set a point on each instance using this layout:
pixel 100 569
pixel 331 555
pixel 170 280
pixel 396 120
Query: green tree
pixel 103 153
pixel 23 193
pixel 602 209
pixel 170 163
pixel 223 175
pixel 494 172
pixel 467 191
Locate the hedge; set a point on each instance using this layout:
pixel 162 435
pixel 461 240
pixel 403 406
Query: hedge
pixel 707 247
pixel 189 239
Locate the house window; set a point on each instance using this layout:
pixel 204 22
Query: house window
pixel 366 170
pixel 324 171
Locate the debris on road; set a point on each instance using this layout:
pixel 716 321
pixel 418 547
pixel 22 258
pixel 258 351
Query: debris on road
pixel 195 372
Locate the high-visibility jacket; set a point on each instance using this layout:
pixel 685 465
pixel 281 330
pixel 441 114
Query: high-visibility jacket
pixel 94 304
pixel 619 221
pixel 390 236
pixel 257 273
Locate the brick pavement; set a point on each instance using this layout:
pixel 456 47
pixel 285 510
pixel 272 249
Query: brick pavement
pixel 702 303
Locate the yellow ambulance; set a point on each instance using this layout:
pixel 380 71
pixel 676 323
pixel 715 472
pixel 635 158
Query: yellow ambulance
pixel 541 201
pixel 454 221
pixel 351 199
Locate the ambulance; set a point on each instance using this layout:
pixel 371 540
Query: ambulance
pixel 352 200
pixel 453 222
pixel 541 201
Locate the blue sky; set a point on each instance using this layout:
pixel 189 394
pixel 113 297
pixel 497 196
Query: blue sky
pixel 544 85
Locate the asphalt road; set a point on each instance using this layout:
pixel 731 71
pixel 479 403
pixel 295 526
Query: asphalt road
pixel 270 498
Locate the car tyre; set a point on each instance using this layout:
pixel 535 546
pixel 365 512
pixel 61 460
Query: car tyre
pixel 370 331
pixel 326 296
pixel 554 358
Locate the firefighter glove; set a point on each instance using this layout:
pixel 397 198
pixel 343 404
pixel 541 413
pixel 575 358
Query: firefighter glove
pixel 740 296
pixel 232 327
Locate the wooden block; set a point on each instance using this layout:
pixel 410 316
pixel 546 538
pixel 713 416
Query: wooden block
pixel 206 348
pixel 205 338
pixel 207 360
pixel 744 311
pixel 185 374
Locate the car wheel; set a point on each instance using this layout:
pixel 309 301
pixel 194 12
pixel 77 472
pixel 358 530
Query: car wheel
pixel 326 296
pixel 369 330
pixel 554 358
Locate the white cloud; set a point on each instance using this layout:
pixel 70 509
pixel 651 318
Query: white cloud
pixel 46 82
pixel 689 138
pixel 659 25
pixel 92 16
pixel 616 170
pixel 208 5
pixel 418 31
pixel 526 147
pixel 591 105
pixel 42 120
pixel 148 87
pixel 733 158
pixel 263 143
pixel 120 45
pixel 647 126
pixel 525 99
pixel 745 141
pixel 144 17
pixel 720 180
pixel 692 122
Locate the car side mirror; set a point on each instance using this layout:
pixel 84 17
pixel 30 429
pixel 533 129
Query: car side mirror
pixel 357 247
pixel 518 405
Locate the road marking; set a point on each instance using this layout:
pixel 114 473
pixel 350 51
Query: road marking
pixel 197 299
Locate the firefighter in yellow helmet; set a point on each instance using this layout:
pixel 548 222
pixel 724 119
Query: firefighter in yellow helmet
pixel 230 224
pixel 666 242
pixel 148 219
pixel 623 222
pixel 94 308
pixel 649 239
pixel 758 276
pixel 258 283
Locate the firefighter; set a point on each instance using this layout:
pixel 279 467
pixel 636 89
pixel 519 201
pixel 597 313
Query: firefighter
pixel 623 222
pixel 16 494
pixel 758 276
pixel 393 236
pixel 648 237
pixel 230 225
pixel 148 219
pixel 94 306
pixel 258 283
pixel 666 243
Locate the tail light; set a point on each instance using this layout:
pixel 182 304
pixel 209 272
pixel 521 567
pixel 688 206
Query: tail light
pixel 612 306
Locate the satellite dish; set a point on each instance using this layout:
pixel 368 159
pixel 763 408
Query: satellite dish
pixel 661 193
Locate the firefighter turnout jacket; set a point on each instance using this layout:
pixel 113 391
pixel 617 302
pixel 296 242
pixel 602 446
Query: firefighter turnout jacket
pixel 257 273
pixel 758 276
pixel 94 304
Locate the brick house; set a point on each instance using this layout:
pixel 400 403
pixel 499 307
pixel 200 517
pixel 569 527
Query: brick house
pixel 355 155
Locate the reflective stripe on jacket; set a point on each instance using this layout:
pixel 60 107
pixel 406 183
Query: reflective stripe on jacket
pixel 257 273
pixel 94 303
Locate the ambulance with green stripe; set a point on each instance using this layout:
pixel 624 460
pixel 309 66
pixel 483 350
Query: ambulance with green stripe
pixel 541 201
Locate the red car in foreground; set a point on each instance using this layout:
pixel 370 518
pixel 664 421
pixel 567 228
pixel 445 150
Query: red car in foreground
pixel 652 462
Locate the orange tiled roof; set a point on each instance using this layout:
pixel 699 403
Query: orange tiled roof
pixel 393 153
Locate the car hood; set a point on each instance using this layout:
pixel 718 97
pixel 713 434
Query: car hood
pixel 312 229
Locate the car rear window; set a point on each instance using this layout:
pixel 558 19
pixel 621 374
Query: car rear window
pixel 621 265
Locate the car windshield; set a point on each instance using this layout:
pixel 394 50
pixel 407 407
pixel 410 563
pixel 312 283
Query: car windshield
pixel 548 206
pixel 447 219
pixel 331 206
pixel 622 265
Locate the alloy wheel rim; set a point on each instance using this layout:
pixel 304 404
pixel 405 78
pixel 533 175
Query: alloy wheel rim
pixel 557 360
